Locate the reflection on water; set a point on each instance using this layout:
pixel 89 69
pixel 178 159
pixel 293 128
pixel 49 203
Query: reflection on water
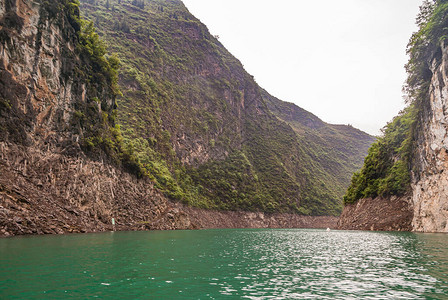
pixel 216 264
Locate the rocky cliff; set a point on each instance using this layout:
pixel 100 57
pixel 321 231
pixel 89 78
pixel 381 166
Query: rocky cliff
pixel 425 207
pixel 54 98
pixel 404 182
pixel 430 186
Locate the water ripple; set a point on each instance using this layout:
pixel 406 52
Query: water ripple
pixel 220 264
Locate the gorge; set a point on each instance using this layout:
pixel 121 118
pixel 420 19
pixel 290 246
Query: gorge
pixel 132 110
pixel 163 121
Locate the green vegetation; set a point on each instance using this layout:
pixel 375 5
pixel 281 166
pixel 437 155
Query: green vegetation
pixel 94 116
pixel 231 184
pixel 5 105
pixel 425 46
pixel 329 153
pixel 199 126
pixel 387 168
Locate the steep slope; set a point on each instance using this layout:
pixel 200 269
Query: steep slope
pixel 405 171
pixel 62 166
pixel 334 148
pixel 202 127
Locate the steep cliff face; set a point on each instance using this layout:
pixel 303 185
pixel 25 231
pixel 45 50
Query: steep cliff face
pixel 31 50
pixel 48 85
pixel 404 182
pixel 430 189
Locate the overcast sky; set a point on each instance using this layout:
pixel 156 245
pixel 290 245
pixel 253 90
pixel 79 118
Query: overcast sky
pixel 341 60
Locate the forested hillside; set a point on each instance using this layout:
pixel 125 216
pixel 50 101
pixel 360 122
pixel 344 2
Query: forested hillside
pixel 201 127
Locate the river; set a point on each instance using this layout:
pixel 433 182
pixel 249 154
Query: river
pixel 226 264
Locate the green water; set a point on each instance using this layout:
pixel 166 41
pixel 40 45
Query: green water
pixel 226 264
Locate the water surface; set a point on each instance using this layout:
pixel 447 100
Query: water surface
pixel 226 264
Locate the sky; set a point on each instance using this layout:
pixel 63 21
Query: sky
pixel 341 60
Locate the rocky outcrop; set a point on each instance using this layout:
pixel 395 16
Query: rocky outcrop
pixel 50 192
pixel 430 187
pixel 47 183
pixel 386 214
pixel 37 82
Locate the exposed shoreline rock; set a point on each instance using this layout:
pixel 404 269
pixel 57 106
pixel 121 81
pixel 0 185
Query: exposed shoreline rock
pixel 47 192
pixel 382 214
pixel 244 219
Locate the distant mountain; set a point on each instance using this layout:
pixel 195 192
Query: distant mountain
pixel 335 148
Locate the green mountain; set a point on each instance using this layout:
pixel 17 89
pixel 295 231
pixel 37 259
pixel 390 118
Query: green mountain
pixel 204 131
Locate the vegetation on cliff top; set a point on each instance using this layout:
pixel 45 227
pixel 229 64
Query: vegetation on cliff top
pixel 387 168
pixel 94 119
pixel 86 66
pixel 199 124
